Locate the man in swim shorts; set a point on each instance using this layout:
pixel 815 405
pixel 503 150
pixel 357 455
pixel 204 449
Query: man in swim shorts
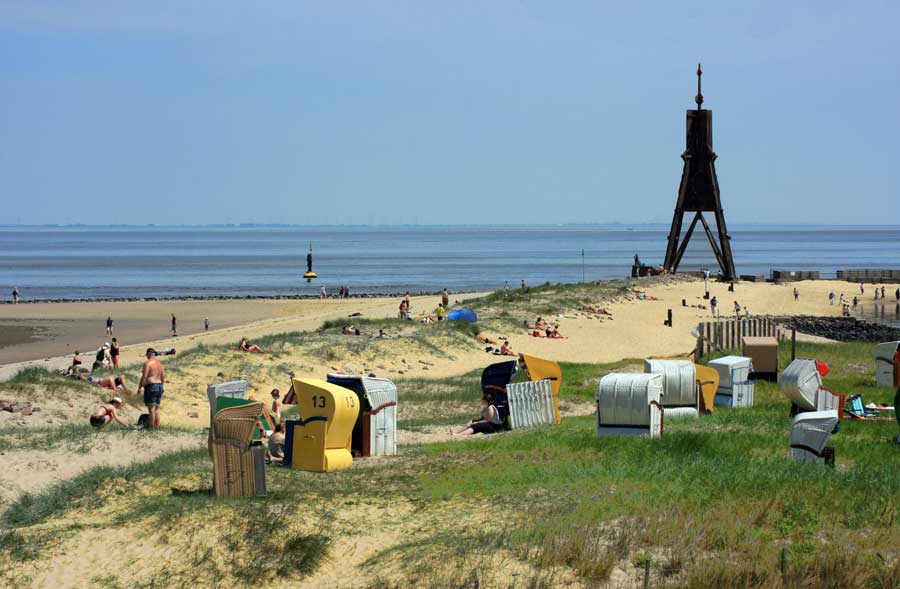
pixel 152 380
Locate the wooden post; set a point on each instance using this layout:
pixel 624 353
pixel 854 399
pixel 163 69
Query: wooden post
pixel 647 574
pixel 784 560
pixel 793 345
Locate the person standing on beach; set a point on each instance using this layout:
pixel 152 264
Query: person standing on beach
pixel 109 325
pixel 897 295
pixel 712 305
pixel 206 324
pixel 523 284
pixel 114 353
pixel 152 380
pixel 322 293
pixel 15 294
pixel 506 286
pixel 174 325
pixel 445 298
pixel 831 298
pixel 737 310
pixel 441 313
pixel 882 293
pixel 862 288
pixel 796 294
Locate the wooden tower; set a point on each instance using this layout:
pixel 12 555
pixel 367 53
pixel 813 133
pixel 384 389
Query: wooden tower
pixel 699 192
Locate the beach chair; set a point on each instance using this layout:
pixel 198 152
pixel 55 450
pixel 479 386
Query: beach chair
pixel 707 386
pixel 735 386
pixel 679 384
pixel 233 394
pixel 809 434
pixel 855 409
pixel 629 404
pixel 884 363
pixel 238 464
pixel 531 404
pixel 801 382
pixel 321 437
pixel 494 380
pixel 549 370
pixel 375 430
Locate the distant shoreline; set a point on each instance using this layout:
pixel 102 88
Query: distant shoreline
pixel 175 299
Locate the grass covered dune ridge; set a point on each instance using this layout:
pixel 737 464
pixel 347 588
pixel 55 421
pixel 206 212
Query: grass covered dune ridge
pixel 715 502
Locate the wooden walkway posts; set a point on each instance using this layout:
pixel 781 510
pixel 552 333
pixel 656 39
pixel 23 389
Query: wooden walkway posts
pixel 728 333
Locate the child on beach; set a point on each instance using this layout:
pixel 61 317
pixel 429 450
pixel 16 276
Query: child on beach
pixel 276 405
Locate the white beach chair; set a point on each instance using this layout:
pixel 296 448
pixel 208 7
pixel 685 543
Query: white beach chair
pixel 628 404
pixel 679 383
pixel 375 431
pixel 884 363
pixel 809 434
pixel 801 383
pixel 735 386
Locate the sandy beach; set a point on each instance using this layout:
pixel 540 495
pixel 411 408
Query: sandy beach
pixel 48 332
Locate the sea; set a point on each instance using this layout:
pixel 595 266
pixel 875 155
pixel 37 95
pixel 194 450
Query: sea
pixel 83 262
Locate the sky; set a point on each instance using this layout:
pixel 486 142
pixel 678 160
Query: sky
pixel 193 112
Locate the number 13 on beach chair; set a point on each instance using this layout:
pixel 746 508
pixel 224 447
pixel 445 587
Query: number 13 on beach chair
pixel 322 436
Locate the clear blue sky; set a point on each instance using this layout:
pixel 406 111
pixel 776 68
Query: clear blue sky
pixel 443 112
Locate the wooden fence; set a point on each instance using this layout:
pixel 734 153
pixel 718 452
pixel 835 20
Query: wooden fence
pixel 727 333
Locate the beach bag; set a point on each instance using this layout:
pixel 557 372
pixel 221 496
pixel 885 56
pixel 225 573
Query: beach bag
pixel 144 420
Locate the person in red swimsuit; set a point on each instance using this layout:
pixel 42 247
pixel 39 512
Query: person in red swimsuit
pixel 107 413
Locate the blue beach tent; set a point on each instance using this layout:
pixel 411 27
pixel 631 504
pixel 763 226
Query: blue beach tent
pixel 464 314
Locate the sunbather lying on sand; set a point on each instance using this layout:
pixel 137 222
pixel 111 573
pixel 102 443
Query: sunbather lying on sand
pixel 486 339
pixel 246 346
pixel 350 330
pixel 596 310
pixel 107 413
pixel 111 383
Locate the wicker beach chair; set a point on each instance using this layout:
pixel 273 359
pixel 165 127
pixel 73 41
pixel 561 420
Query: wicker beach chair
pixel 629 404
pixel 239 467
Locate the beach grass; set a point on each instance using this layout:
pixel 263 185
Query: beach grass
pixel 715 502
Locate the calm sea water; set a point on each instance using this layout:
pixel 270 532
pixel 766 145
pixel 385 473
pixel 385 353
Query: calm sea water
pixel 97 263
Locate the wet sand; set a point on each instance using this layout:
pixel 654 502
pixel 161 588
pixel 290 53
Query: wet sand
pixel 42 330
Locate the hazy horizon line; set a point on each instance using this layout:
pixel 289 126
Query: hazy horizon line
pixel 611 224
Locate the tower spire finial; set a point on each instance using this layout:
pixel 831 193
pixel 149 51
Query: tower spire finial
pixel 699 97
